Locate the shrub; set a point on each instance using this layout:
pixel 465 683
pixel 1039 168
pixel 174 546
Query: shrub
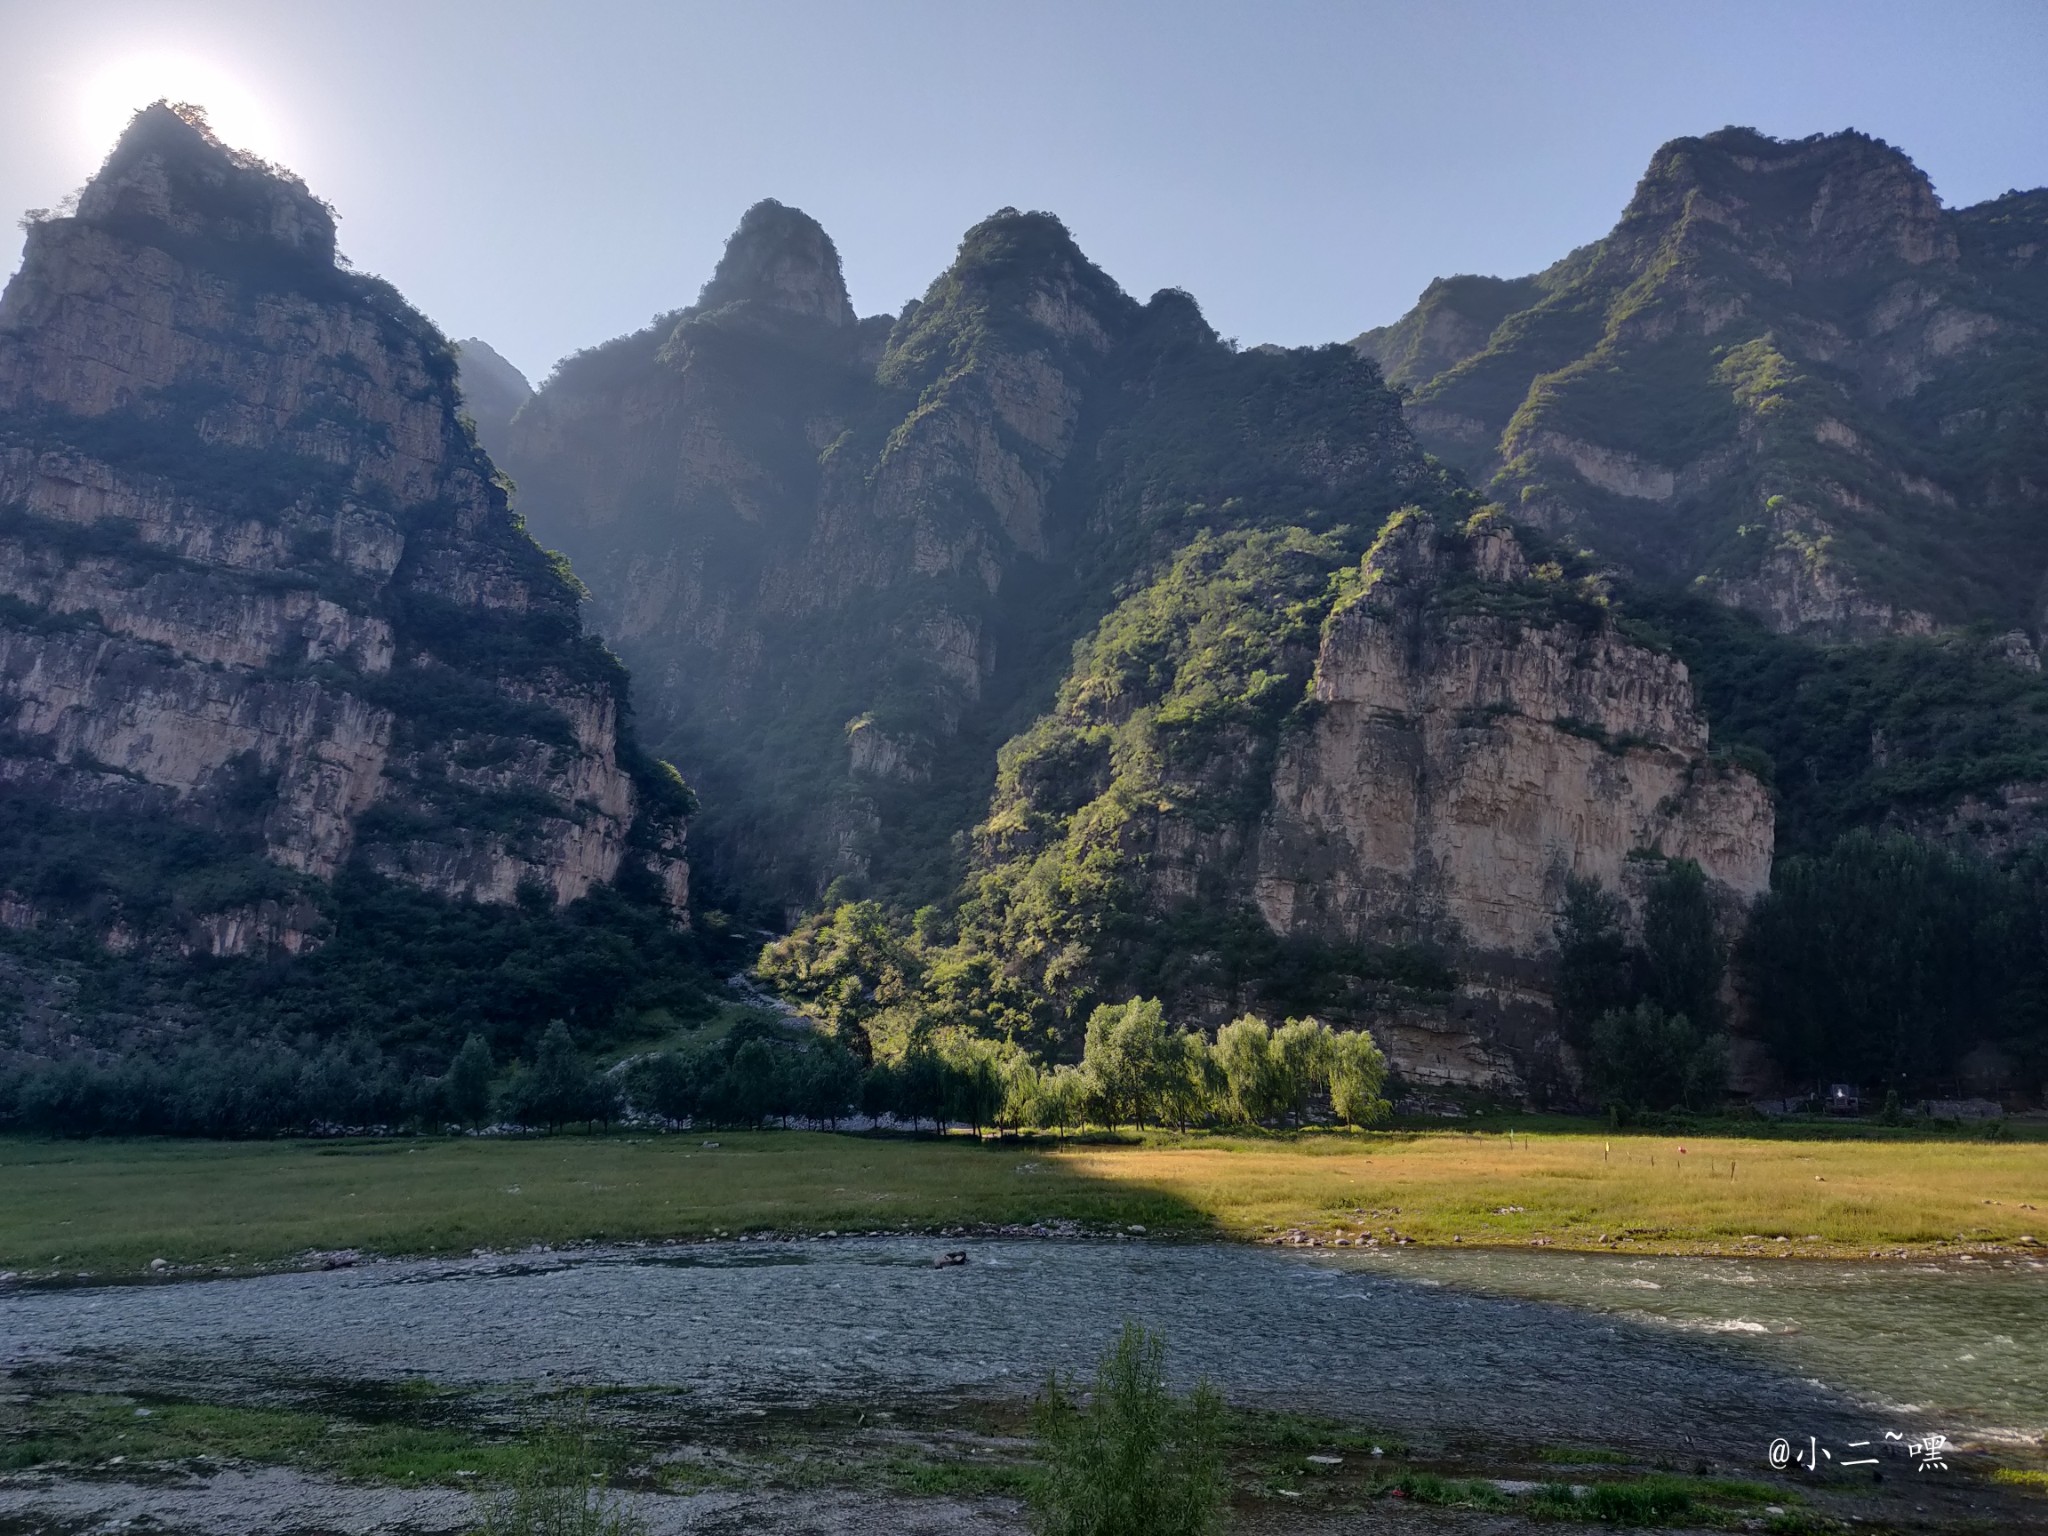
pixel 558 1490
pixel 1135 1460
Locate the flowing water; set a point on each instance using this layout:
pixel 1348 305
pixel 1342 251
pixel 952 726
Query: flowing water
pixel 1960 1342
pixel 1687 1355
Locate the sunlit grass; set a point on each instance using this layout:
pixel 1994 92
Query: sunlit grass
pixel 103 1207
pixel 1666 1193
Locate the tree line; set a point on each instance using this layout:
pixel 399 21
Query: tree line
pixel 1137 1070
pixel 1883 961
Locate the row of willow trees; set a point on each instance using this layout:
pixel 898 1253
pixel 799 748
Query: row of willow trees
pixel 1137 1070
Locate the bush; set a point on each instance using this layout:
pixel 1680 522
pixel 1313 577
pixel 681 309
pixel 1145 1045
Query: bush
pixel 1646 1059
pixel 1135 1460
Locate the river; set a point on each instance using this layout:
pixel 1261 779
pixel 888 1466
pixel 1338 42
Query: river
pixel 1692 1355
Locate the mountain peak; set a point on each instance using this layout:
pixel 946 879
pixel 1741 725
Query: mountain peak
pixel 1029 263
pixel 1846 199
pixel 169 169
pixel 781 257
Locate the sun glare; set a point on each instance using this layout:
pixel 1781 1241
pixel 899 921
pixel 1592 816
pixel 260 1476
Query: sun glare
pixel 114 94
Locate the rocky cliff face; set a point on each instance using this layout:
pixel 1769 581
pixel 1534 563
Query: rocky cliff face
pixel 843 555
pixel 256 578
pixel 1473 744
pixel 1789 373
pixel 1036 533
pixel 1365 802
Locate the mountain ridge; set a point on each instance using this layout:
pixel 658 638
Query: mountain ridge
pixel 1788 373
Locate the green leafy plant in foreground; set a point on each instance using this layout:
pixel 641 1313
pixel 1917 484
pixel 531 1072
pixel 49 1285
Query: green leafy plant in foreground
pixel 558 1491
pixel 1135 1460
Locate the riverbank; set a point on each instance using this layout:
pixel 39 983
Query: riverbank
pixel 746 1385
pixel 106 1209
pixel 422 1458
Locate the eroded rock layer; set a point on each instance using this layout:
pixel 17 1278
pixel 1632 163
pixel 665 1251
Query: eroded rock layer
pixel 257 578
pixel 1471 747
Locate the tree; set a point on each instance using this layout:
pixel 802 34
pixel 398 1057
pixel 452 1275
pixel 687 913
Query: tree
pixel 467 1092
pixel 670 1083
pixel 1594 966
pixel 1251 1071
pixel 1301 1053
pixel 1129 1054
pixel 1645 1059
pixel 1884 959
pixel 827 1081
pixel 754 1085
pixel 1135 1460
pixel 1682 957
pixel 1023 1088
pixel 557 1088
pixel 920 1079
pixel 1061 1094
pixel 845 967
pixel 1192 1083
pixel 1358 1074
pixel 974 1080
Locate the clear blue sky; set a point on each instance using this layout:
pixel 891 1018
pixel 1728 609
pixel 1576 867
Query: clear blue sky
pixel 548 175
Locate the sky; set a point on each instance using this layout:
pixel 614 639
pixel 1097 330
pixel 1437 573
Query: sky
pixel 549 175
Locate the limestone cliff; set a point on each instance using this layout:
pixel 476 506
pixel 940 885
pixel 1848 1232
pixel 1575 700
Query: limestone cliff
pixel 1283 781
pixel 1473 742
pixel 1788 373
pixel 256 577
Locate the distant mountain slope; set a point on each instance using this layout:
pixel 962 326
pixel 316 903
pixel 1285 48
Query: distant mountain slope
pixel 1789 375
pixel 492 391
pixel 265 616
pixel 847 558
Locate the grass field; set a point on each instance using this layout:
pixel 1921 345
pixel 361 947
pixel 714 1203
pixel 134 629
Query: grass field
pixel 111 1207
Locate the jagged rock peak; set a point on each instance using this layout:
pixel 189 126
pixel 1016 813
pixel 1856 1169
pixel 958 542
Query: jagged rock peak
pixel 169 169
pixel 1845 197
pixel 781 257
pixel 1029 263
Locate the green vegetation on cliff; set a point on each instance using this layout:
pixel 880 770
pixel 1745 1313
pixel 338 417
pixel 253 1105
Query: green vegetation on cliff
pixel 1787 372
pixel 895 534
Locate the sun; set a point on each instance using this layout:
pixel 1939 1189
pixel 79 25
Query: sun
pixel 117 91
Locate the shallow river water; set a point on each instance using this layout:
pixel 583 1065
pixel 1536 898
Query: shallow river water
pixel 1688 1355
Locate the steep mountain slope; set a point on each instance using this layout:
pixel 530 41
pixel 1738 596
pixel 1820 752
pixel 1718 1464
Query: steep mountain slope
pixel 1287 777
pixel 1153 666
pixel 847 558
pixel 1789 375
pixel 265 616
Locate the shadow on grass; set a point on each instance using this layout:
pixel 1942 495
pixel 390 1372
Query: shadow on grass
pixel 109 1209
